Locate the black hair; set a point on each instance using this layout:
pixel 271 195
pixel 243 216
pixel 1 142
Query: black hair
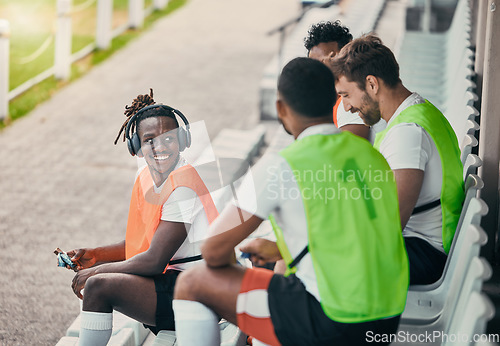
pixel 308 87
pixel 139 103
pixel 324 32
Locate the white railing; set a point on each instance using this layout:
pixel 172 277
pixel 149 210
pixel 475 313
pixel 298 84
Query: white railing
pixel 4 67
pixel 63 58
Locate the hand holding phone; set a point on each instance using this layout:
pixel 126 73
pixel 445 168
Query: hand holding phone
pixel 63 260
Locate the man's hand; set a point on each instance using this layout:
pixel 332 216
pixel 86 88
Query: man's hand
pixel 262 251
pixel 80 279
pixel 83 258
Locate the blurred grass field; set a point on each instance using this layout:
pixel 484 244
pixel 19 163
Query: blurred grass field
pixel 32 28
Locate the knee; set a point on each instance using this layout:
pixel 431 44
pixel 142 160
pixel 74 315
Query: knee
pixel 96 287
pixel 188 283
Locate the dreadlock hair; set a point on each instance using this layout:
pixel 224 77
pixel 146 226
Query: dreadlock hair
pixel 324 32
pixel 139 103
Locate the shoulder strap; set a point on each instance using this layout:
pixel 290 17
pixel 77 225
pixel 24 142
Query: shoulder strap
pixel 299 257
pixel 426 207
pixel 280 242
pixel 186 259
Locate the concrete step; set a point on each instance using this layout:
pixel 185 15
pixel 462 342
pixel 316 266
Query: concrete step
pixel 122 337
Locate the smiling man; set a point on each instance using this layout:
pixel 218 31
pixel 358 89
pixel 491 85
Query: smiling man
pixel 324 40
pixel 169 202
pixel 419 145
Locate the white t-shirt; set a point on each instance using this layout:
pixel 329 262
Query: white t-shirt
pixel 272 189
pixel 409 146
pixel 348 118
pixel 184 205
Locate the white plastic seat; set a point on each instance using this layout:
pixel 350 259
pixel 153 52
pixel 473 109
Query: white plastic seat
pixel 425 303
pixel 165 338
pixel 471 164
pixel 230 336
pixel 469 142
pixel 425 307
pixel 471 322
pixel 473 185
pixel 123 337
pixel 477 272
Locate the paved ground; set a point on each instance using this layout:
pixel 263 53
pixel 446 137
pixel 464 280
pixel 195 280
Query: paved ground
pixel 64 184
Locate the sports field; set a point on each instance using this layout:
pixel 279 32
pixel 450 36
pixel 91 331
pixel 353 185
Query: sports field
pixel 33 24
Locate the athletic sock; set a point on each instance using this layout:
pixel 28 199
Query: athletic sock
pixel 95 328
pixel 195 324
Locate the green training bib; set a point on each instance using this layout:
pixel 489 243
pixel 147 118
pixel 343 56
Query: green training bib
pixel 434 122
pixel 353 225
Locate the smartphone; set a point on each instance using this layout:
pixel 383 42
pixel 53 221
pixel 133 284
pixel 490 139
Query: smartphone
pixel 63 259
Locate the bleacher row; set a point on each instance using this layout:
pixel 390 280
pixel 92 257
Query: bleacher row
pixel 361 16
pixel 440 68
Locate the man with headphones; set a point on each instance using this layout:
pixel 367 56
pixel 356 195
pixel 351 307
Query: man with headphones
pixel 170 210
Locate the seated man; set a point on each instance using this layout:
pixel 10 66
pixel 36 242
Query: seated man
pixel 340 234
pixel 325 40
pixel 166 212
pixel 419 144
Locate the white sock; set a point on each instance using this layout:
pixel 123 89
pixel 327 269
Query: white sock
pixel 256 342
pixel 195 324
pixel 95 328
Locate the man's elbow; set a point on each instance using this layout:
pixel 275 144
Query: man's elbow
pixel 213 256
pixel 154 264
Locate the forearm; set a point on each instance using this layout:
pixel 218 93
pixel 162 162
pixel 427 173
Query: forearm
pixel 142 264
pixel 166 241
pixel 110 253
pixel 218 248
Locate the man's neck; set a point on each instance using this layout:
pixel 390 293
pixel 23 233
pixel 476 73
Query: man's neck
pixel 391 100
pixel 312 123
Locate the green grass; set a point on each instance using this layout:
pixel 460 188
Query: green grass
pixel 26 102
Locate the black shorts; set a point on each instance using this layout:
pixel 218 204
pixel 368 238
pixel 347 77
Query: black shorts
pixel 298 318
pixel 426 262
pixel 164 287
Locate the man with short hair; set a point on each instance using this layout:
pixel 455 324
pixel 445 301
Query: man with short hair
pixel 325 40
pixel 336 221
pixel 419 145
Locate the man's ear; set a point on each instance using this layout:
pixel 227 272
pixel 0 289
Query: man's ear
pixel 372 85
pixel 281 108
